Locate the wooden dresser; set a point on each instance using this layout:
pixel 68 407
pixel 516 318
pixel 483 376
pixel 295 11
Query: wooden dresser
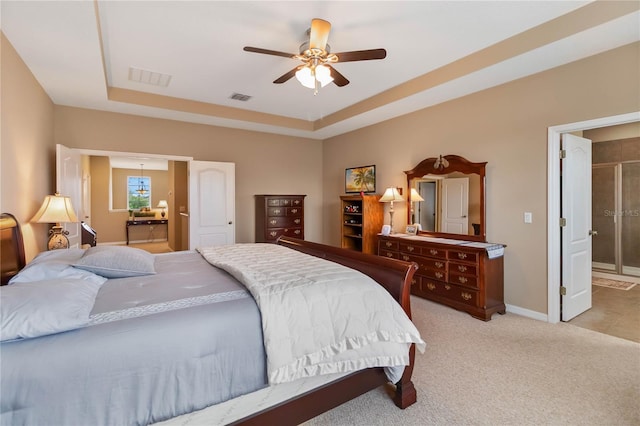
pixel 468 276
pixel 278 215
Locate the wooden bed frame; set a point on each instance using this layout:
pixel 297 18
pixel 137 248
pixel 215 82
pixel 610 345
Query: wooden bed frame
pixel 393 275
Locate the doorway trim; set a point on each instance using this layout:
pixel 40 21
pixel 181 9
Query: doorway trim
pixel 554 265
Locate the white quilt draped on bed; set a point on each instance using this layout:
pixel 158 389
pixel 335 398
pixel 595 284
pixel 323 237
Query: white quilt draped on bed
pixel 318 317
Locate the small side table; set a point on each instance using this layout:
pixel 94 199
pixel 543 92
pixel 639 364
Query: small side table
pixel 146 222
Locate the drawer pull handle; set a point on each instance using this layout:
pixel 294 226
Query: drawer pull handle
pixel 273 221
pixel 276 211
pixel 405 258
pixel 389 244
pixel 439 274
pixel 413 281
pixel 447 287
pixel 439 264
pixel 462 268
pixel 463 280
pixel 462 255
pixel 297 221
pixel 433 251
pixel 410 248
pixel 389 254
pixel 294 211
pixel 297 232
pixel 465 295
pixel 273 233
pixel 431 286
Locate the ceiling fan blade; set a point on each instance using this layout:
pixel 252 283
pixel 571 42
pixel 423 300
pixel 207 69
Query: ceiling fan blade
pixel 319 34
pixel 361 55
pixel 286 77
pixel 268 52
pixel 339 79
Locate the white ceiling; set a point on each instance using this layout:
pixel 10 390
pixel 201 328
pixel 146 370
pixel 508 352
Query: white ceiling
pixel 199 43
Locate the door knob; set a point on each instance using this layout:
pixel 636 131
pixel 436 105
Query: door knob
pixel 230 222
pixel 594 233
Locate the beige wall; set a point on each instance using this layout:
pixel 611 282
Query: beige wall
pixel 507 127
pixel 265 163
pixel 27 150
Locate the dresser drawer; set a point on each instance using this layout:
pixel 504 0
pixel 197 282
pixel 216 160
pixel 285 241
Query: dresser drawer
pixel 463 268
pixel 274 233
pixel 464 256
pixel 283 221
pixel 389 253
pixel 294 232
pixel 434 252
pixel 465 280
pixel 388 245
pixel 450 291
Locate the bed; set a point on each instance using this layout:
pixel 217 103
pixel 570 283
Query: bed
pixel 181 344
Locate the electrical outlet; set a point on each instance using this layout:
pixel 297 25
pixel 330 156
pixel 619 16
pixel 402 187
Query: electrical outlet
pixel 528 217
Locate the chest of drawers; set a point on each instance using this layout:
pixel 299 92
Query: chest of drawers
pixel 278 215
pixel 463 277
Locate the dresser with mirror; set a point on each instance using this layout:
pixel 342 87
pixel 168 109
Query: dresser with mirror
pixel 456 265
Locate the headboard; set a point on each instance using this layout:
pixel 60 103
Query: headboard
pixel 12 258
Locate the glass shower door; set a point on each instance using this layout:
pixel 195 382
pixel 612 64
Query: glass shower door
pixel 630 218
pixel 603 218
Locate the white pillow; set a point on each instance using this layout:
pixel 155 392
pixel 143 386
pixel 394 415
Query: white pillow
pixel 55 264
pixel 117 261
pixel 45 307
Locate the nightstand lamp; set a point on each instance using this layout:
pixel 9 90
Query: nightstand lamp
pixel 390 195
pixel 56 209
pixel 163 205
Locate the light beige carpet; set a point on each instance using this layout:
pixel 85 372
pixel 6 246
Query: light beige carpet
pixel 618 285
pixel 508 371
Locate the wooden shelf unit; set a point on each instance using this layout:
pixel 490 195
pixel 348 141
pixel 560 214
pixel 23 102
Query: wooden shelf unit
pixel 361 219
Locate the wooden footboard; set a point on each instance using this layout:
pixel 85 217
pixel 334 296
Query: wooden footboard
pixel 393 275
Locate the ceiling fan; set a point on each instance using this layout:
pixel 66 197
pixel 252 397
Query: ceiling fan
pixel 316 70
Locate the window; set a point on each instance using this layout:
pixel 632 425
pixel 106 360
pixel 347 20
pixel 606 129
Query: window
pixel 135 199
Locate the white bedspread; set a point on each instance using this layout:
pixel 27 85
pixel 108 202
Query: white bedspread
pixel 318 317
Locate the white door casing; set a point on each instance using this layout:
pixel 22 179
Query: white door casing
pixel 455 206
pixel 576 234
pixel 69 183
pixel 554 260
pixel 211 203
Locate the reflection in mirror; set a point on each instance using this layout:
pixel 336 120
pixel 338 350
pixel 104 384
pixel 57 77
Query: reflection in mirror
pixel 451 197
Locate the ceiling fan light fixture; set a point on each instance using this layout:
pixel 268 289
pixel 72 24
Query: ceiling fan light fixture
pixel 307 76
pixel 323 75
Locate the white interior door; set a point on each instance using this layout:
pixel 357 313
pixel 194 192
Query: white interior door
pixel 455 205
pixel 576 234
pixel 69 183
pixel 211 204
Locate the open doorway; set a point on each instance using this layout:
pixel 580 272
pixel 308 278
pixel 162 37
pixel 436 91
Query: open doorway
pixel 554 244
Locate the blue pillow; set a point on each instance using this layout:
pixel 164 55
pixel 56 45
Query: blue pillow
pixel 117 261
pixel 38 308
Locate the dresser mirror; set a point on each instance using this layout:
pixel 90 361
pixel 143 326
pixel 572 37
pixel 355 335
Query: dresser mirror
pixel 446 198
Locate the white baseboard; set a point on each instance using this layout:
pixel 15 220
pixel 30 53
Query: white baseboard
pixel 527 313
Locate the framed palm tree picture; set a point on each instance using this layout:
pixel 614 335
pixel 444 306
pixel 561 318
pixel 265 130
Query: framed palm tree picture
pixel 360 179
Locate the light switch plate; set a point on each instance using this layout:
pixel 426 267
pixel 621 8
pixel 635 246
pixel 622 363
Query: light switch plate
pixel 528 217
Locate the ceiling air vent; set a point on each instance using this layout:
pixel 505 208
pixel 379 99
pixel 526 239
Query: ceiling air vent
pixel 149 77
pixel 240 97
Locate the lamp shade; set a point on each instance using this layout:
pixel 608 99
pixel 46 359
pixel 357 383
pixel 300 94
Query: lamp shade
pixel 55 209
pixel 162 204
pixel 415 197
pixel 390 195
